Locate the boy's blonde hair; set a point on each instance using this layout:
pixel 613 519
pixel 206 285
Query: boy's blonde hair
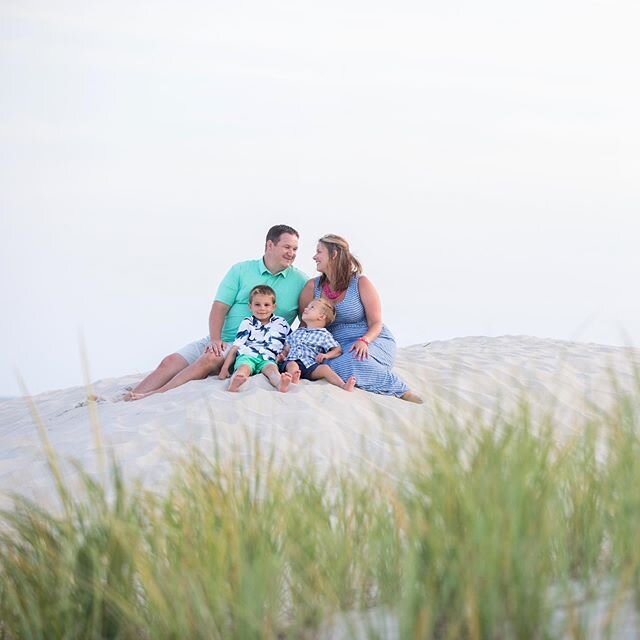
pixel 262 290
pixel 327 308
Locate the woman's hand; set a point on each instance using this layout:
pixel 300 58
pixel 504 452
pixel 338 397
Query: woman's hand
pixel 360 349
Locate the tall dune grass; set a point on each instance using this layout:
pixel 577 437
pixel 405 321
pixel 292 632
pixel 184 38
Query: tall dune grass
pixel 485 531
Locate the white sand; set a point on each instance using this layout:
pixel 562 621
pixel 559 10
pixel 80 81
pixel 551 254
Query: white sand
pixel 467 376
pixel 322 422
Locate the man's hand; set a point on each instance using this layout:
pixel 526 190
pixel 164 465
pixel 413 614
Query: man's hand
pixel 216 347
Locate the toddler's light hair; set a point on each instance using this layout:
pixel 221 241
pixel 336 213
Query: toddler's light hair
pixel 328 309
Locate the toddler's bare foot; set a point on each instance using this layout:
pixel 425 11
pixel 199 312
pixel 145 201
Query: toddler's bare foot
pixel 350 384
pixel 409 396
pixel 295 376
pixel 237 381
pixel 285 381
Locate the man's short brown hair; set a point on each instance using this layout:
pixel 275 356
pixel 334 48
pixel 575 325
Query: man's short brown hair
pixel 275 232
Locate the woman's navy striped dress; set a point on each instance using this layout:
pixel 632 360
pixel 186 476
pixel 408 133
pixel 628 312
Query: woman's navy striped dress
pixel 373 374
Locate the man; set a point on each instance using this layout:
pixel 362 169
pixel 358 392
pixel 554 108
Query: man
pixel 202 358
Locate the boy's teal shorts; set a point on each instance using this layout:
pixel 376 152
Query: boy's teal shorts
pixel 255 363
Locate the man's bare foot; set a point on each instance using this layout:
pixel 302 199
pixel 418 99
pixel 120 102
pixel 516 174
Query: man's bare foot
pixel 409 396
pixel 285 381
pixel 237 381
pixel 137 396
pixel 350 384
pixel 295 376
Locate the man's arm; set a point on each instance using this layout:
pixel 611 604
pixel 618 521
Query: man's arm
pixel 217 315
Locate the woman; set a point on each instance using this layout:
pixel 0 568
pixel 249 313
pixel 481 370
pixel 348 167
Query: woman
pixel 368 347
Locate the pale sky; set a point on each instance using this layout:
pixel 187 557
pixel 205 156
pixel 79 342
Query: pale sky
pixel 483 160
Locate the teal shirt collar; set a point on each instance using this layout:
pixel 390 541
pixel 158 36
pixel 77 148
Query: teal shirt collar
pixel 263 270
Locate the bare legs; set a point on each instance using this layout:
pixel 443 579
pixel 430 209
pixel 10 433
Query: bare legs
pixel 168 368
pixel 280 381
pixel 321 372
pixel 239 377
pixel 324 371
pixel 294 370
pixel 174 371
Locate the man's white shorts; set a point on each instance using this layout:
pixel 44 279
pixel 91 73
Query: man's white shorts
pixel 192 351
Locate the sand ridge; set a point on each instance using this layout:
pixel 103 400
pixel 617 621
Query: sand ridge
pixel 469 376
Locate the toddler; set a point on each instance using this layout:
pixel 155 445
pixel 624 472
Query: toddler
pixel 307 348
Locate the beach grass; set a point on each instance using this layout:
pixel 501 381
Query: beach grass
pixel 491 529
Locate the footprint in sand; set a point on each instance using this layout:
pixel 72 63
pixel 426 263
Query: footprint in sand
pixel 85 403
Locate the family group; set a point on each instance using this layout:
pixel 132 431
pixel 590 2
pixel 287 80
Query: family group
pixel 341 337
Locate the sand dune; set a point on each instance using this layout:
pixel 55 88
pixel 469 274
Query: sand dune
pixel 471 377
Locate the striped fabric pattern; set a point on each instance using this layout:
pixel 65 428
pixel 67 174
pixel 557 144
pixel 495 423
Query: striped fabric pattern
pixel 373 374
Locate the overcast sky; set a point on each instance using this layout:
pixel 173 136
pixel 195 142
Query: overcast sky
pixel 483 160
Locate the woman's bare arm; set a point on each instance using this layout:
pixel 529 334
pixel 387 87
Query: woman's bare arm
pixel 306 296
pixel 373 311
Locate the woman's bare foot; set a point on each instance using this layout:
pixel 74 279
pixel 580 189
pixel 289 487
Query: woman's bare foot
pixel 285 381
pixel 409 396
pixel 350 384
pixel 295 376
pixel 237 381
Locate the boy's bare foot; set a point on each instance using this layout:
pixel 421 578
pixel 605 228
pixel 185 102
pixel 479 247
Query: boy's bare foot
pixel 295 376
pixel 237 381
pixel 350 384
pixel 285 381
pixel 409 396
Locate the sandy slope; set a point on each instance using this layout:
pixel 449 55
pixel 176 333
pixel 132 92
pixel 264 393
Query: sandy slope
pixel 465 375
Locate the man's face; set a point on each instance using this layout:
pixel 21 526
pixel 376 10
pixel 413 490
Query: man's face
pixel 282 253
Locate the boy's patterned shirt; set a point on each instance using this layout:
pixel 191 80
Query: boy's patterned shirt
pixel 256 339
pixel 305 344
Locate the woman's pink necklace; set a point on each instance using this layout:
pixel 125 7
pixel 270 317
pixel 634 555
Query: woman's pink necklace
pixel 329 292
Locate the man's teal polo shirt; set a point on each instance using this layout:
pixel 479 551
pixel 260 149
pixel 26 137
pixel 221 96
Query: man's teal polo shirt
pixel 242 277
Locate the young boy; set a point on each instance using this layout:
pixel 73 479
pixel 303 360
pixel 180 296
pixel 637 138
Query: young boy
pixel 259 340
pixel 308 347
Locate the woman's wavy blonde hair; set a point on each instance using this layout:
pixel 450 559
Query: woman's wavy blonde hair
pixel 343 266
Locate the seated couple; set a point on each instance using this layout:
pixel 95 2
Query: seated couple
pixel 367 346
